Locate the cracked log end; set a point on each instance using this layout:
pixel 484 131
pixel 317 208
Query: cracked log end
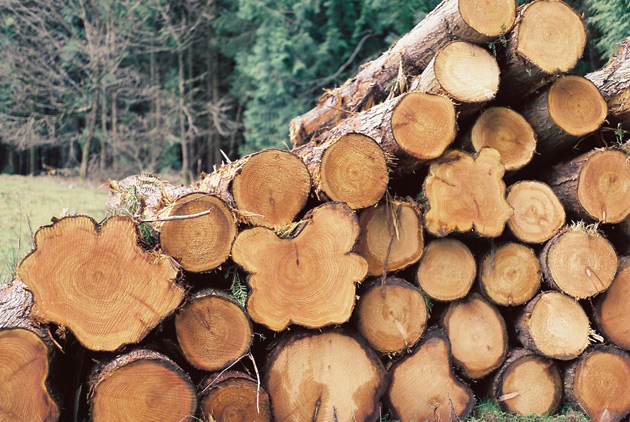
pixel 142 386
pixel 508 132
pixel 391 316
pixel 576 105
pixel 23 373
pixel 465 193
pixel 391 237
pixel 354 170
pixel 309 279
pixel 551 36
pixel 423 386
pixel 538 214
pixel 580 262
pixel 528 384
pixel 510 275
pixel 554 325
pixel 424 125
pixel 598 384
pixel 477 334
pixel 324 377
pixel 213 331
pixel 447 270
pixel 98 282
pixel 199 243
pixel 488 17
pixel 271 188
pixel 612 310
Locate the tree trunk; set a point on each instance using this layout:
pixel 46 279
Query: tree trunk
pixel 183 136
pixel 91 124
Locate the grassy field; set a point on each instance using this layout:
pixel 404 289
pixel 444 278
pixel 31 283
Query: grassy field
pixel 27 203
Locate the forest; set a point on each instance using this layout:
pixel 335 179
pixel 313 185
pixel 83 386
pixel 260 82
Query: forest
pixel 102 89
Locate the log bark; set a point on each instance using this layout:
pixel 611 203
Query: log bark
pixel 579 261
pixel 569 108
pixel 527 384
pixel 96 281
pixel 350 168
pixel 612 308
pixel 510 275
pixel 339 378
pixel 478 336
pixel 213 330
pixel 391 315
pixel 423 386
pixel 391 236
pixel 234 396
pixel 538 213
pixel 598 383
pixel 447 270
pixel 308 279
pixel 613 81
pixel 547 40
pixel 451 19
pixel 141 386
pixel 595 185
pixel 554 325
pixel 465 193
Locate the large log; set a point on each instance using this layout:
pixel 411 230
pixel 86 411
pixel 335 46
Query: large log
pixel 612 308
pixel 308 279
pixel 468 20
pixel 96 281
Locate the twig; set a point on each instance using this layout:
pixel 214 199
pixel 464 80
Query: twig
pixel 178 217
pixel 257 380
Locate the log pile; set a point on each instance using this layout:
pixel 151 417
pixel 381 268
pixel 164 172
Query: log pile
pixel 451 225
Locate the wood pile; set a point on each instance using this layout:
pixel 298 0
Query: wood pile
pixel 452 224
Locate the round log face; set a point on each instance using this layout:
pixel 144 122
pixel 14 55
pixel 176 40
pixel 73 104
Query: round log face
pixel 576 105
pixel 604 186
pixel 98 282
pixel 354 171
pixel 601 385
pixel 23 372
pixel 551 36
pixel 467 72
pixel 530 384
pixel 271 188
pixel 424 125
pixel 200 243
pixel 144 390
pixel 447 270
pixel 613 308
pixel 236 400
pixel 391 237
pixel 325 377
pixel 213 331
pixel 538 214
pixel 508 132
pixel 581 264
pixel 488 17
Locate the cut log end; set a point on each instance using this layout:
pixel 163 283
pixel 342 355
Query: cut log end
pixel 133 388
pixel 391 237
pixel 423 386
pixel 213 331
pixel 272 188
pixel 478 335
pixel 510 275
pixel 447 270
pixel 612 310
pixel 234 397
pixel 199 243
pixel 424 125
pixel 492 18
pixel 576 105
pixel 324 377
pixel 354 170
pixel 284 271
pixel 551 36
pixel 391 316
pixel 98 282
pixel 23 373
pixel 538 214
pixel 508 132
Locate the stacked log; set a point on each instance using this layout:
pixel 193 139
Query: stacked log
pixel 422 247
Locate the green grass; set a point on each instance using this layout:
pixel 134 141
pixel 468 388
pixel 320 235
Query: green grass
pixel 26 203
